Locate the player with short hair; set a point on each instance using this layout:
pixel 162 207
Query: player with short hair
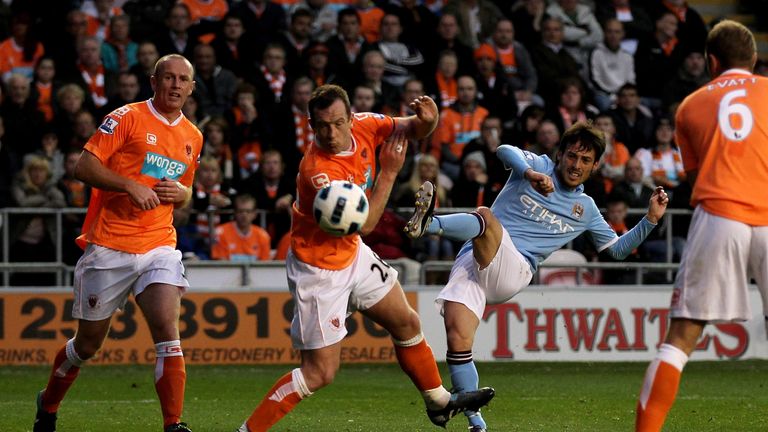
pixel 329 276
pixel 240 240
pixel 141 163
pixel 725 163
pixel 541 208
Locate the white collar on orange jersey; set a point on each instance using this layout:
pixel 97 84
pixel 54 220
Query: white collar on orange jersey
pixel 161 117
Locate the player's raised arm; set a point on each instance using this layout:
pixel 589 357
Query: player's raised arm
pixel 625 244
pixel 514 159
pixel 391 158
pixel 424 122
pixel 90 170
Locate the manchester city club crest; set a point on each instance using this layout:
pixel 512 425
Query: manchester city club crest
pixel 577 211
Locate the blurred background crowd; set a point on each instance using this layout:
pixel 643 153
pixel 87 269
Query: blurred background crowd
pixel 505 71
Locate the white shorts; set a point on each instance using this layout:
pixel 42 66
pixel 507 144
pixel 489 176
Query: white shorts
pixel 505 276
pixel 720 256
pixel 324 298
pixel 105 277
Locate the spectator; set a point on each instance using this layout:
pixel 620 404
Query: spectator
pixel 229 45
pixel 442 87
pixel 49 151
pixel 175 37
pixel 494 89
pixel 635 189
pixel 616 215
pixel 634 127
pixel 370 19
pixel 146 56
pixel 70 100
pixel 99 16
pixel 217 145
pixel 206 14
pixel 374 64
pixel 292 129
pixel 251 132
pixel 657 60
pixel 691 29
pixel 99 84
pixel 470 189
pixel 127 92
pixel 23 122
pixel 415 18
pixel 20 52
pixel 459 124
pixel 347 48
pixel 45 87
pixel 524 134
pixel 636 22
pixel 32 235
pixel 324 18
pixel 295 39
pixel 691 75
pixel 662 162
pixel 118 52
pixel 76 194
pixel 214 85
pixel 528 18
pixel 573 106
pixel 387 239
pixel 412 89
pixel 8 168
pixel 487 144
pixel 193 113
pixel 552 61
pixel 429 247
pixel 476 18
pixel 448 38
pixel 271 79
pixel 403 61
pixel 274 191
pixel 516 63
pixel 211 196
pixel 616 154
pixel 188 240
pixel 262 20
pixel 84 126
pixel 581 31
pixel 547 140
pixel 316 65
pixel 63 47
pixel 610 66
pixel 241 240
pixel 363 99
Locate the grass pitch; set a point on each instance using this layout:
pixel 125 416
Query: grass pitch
pixel 714 396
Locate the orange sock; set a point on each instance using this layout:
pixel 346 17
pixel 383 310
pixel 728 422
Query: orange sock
pixel 170 378
pixel 662 380
pixel 287 392
pixel 66 367
pixel 418 362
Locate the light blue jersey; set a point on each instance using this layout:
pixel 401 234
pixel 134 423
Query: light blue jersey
pixel 540 225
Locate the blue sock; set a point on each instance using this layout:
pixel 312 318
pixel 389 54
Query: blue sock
pixel 464 378
pixel 459 226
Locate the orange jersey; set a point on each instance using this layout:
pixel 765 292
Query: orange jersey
pixel 233 245
pixel 212 10
pixel 12 58
pixel 456 129
pixel 370 23
pixel 136 142
pixel 282 247
pixel 722 133
pixel 309 243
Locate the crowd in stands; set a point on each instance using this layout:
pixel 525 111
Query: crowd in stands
pixel 504 71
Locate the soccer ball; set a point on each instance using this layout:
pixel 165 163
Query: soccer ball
pixel 341 208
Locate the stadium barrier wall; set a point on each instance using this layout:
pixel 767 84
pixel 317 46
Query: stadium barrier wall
pixel 251 326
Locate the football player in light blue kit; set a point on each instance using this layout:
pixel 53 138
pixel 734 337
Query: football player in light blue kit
pixel 541 208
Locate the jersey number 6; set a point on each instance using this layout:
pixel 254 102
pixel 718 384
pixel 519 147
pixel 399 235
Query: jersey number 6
pixel 728 108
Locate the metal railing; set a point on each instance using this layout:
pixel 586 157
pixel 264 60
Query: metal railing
pixel 63 272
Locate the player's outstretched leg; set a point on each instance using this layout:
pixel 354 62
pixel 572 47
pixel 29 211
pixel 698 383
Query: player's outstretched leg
pixel 426 197
pixel 459 226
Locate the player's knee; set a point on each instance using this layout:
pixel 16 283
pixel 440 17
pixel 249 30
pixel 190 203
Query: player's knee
pixel 87 347
pixel 492 225
pixel 319 376
pixel 458 340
